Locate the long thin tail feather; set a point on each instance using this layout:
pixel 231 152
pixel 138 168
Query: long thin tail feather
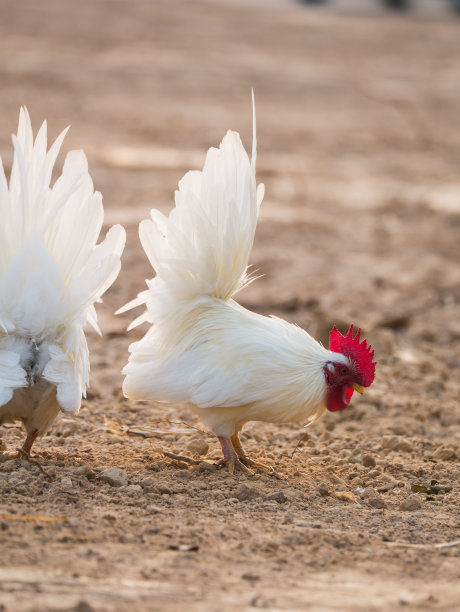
pixel 202 248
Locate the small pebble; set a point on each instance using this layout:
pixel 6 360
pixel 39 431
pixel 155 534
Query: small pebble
pixel 114 476
pixel 387 487
pixel 18 476
pixel 341 485
pixel 376 501
pixel 279 497
pixel 345 496
pixel 182 475
pixel 369 492
pixel 66 427
pixel 149 482
pixel 133 489
pixel 198 447
pixel 85 470
pixel 323 489
pixel 205 466
pixel 369 461
pixel 153 509
pixel 397 443
pixel 245 493
pixel 411 503
pixel 66 483
pixel 404 446
pixel 83 606
pixel 444 454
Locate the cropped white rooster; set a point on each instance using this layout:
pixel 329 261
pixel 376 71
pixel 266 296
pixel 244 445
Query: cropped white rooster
pixel 229 364
pixel 51 273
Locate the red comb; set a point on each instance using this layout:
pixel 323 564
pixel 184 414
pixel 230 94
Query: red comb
pixel 359 352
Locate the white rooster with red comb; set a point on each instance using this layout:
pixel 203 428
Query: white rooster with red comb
pixel 227 363
pixel 51 273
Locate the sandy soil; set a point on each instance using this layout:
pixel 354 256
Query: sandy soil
pixel 359 149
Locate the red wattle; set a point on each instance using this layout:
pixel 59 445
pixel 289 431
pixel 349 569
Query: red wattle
pixel 338 398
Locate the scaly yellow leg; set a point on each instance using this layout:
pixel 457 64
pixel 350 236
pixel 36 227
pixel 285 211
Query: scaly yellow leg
pixel 231 458
pixel 236 443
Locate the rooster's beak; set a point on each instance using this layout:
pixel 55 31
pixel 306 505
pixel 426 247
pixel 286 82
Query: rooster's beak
pixel 358 388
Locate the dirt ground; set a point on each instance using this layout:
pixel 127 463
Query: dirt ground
pixel 359 148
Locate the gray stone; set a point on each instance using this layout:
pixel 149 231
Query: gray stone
pixel 396 443
pixel 369 461
pixel 66 483
pixel 83 606
pixel 163 489
pixel 245 493
pixel 133 489
pixel 323 489
pixel 279 497
pixel 411 503
pixel 148 483
pixel 340 485
pixel 376 501
pixel 198 447
pixel 114 476
pixel 85 470
pixel 66 427
pixel 206 466
pixel 444 454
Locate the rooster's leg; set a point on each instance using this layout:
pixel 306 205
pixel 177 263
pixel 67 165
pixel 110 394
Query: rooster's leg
pixel 25 452
pixel 236 443
pixel 27 446
pixel 231 458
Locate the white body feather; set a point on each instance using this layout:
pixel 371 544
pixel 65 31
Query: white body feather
pixel 51 273
pixel 229 364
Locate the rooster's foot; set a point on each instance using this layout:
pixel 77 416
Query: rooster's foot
pixel 26 455
pixel 236 464
pixel 233 464
pixel 24 452
pixel 239 450
pixel 26 447
pixel 257 465
pixel 231 458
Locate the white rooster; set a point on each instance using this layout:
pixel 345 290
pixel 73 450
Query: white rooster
pixel 204 349
pixel 51 273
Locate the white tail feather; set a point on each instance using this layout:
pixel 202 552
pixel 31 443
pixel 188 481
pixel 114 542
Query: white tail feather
pixel 202 248
pixel 51 270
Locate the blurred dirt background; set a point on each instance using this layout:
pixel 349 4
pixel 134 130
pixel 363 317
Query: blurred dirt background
pixel 359 148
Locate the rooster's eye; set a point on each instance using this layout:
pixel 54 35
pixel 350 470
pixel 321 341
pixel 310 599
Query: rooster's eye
pixel 343 371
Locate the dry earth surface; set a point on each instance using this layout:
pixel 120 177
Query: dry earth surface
pixel 359 148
